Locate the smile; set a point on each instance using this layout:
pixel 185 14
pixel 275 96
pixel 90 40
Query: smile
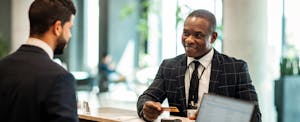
pixel 187 46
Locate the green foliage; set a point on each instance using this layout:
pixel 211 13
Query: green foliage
pixel 178 18
pixel 289 66
pixel 3 48
pixel 143 20
pixel 127 10
pixel 219 30
pixel 142 26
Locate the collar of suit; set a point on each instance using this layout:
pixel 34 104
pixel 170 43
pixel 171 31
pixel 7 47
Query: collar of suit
pixel 204 61
pixel 41 44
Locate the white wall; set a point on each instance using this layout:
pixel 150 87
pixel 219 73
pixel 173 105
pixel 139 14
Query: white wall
pixel 247 35
pixel 20 23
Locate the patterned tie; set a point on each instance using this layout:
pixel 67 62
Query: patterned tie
pixel 194 84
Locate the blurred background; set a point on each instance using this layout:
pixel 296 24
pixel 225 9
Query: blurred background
pixel 138 34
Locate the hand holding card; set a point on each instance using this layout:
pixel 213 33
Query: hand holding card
pixel 171 109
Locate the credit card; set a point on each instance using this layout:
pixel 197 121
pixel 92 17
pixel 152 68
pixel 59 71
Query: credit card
pixel 171 109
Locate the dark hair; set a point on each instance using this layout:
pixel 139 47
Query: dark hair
pixel 104 54
pixel 44 13
pixel 201 13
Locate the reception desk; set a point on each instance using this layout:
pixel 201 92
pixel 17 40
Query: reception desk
pixel 117 115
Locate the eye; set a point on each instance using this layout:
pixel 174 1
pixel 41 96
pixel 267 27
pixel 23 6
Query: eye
pixel 199 35
pixel 186 33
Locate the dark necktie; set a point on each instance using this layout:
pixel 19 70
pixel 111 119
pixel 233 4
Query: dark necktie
pixel 194 84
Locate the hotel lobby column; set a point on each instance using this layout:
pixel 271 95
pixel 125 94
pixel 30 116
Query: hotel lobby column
pixel 20 23
pixel 245 37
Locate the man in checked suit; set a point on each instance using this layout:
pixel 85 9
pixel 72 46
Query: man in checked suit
pixel 33 88
pixel 217 73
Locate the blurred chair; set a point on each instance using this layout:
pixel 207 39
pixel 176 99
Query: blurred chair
pixel 84 81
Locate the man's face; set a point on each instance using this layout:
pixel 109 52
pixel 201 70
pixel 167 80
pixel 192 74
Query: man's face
pixel 197 37
pixel 64 37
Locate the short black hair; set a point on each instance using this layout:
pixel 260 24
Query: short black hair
pixel 210 17
pixel 104 54
pixel 44 13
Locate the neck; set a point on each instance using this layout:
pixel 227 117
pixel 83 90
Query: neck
pixel 203 54
pixel 45 39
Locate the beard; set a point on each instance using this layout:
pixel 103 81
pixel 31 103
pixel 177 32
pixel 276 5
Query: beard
pixel 61 44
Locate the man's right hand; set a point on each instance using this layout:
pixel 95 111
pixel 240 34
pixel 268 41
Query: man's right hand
pixel 152 110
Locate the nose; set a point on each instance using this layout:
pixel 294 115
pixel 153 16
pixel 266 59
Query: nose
pixel 188 40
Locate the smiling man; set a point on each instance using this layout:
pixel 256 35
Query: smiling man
pixel 184 79
pixel 33 88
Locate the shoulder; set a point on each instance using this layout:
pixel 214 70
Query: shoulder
pixel 225 59
pixel 52 66
pixel 58 76
pixel 229 64
pixel 178 60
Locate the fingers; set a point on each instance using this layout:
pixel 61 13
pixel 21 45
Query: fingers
pixel 152 110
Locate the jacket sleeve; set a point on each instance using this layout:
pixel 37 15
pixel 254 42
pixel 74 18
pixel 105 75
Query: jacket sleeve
pixel 155 92
pixel 61 102
pixel 246 91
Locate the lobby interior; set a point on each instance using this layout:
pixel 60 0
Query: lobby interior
pixel 139 34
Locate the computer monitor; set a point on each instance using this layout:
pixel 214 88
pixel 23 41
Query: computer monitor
pixel 216 108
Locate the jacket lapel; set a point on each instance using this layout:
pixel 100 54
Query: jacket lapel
pixel 216 71
pixel 180 78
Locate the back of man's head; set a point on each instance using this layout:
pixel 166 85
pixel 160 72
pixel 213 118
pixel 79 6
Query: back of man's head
pixel 44 13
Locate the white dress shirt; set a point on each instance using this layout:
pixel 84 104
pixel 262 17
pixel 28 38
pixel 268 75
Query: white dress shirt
pixel 41 44
pixel 205 61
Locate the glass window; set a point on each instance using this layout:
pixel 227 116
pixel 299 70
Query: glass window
pixel 291 45
pixel 292 36
pixel 92 38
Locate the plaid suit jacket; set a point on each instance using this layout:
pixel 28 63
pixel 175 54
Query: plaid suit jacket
pixel 229 77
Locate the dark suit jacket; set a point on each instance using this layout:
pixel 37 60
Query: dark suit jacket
pixel 229 77
pixel 33 88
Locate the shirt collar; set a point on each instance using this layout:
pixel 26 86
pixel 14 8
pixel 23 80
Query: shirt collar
pixel 205 60
pixel 41 44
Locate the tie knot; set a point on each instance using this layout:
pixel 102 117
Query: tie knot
pixel 197 63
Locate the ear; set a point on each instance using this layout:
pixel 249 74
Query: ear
pixel 57 28
pixel 214 36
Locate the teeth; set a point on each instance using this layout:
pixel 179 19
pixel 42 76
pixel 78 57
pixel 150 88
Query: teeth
pixel 189 47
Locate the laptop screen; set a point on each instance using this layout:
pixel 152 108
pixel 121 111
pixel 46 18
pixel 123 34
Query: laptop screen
pixel 215 108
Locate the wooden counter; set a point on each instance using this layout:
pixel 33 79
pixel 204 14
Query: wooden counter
pixel 107 114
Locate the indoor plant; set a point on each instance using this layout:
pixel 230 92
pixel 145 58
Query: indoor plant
pixel 3 48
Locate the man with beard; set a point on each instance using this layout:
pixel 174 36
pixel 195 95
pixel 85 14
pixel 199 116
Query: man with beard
pixel 215 73
pixel 33 88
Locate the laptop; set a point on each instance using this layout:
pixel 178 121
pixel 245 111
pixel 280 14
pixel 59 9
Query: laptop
pixel 216 108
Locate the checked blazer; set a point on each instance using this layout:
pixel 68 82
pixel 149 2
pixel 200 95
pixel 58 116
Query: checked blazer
pixel 229 77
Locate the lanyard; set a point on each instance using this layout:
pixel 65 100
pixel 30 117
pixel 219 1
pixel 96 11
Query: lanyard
pixel 194 90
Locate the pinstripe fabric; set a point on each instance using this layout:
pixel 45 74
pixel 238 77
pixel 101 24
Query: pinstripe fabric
pixel 229 77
